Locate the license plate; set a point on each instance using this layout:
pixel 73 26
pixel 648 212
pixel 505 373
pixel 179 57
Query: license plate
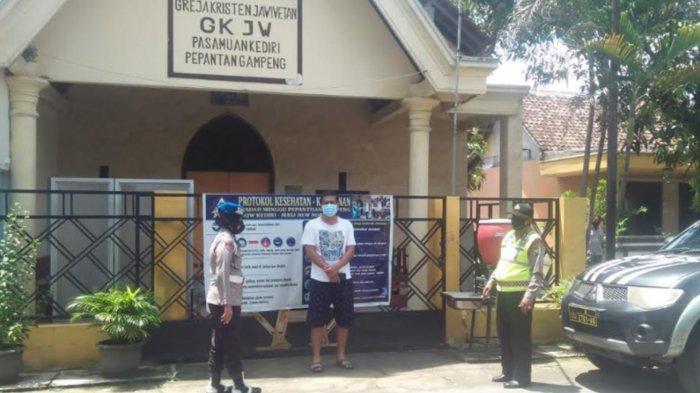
pixel 583 316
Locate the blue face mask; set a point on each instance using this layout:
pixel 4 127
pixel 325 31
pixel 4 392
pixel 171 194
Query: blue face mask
pixel 330 209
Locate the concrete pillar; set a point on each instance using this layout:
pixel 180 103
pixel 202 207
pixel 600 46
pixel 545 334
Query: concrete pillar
pixel 511 159
pixel 572 244
pixel 164 287
pixel 670 210
pixel 454 329
pixel 4 130
pixel 24 97
pixel 419 112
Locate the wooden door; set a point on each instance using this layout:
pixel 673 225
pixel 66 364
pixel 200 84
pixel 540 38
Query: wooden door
pixel 230 182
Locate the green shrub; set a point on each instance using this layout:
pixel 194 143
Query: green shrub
pixel 127 315
pixel 17 269
pixel 568 194
pixel 476 148
pixel 557 292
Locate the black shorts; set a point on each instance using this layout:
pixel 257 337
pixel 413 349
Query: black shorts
pixel 322 295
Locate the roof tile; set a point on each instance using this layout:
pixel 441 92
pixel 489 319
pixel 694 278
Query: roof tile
pixel 558 123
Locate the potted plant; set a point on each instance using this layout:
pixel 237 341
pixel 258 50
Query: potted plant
pixel 17 268
pixel 127 316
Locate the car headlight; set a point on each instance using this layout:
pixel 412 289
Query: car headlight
pixel 652 298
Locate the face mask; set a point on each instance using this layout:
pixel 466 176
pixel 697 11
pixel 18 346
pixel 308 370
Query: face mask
pixel 232 225
pixel 330 209
pixel 518 223
pixel 238 228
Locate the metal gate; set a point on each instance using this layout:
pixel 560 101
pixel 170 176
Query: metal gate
pixel 418 261
pixel 474 210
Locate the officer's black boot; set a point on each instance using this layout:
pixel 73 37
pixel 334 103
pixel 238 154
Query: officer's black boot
pixel 240 386
pixel 215 385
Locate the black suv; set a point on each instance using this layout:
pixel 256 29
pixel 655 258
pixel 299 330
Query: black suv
pixel 641 311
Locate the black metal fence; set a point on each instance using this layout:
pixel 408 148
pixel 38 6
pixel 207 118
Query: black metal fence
pixel 95 240
pixel 418 261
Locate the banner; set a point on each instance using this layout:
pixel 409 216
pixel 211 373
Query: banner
pixel 240 40
pixel 276 269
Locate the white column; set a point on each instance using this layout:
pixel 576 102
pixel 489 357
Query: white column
pixel 419 112
pixel 511 159
pixel 4 125
pixel 24 97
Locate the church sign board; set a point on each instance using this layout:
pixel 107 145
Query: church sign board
pixel 236 40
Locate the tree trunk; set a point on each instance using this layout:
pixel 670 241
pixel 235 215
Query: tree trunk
pixel 596 178
pixel 621 202
pixel 589 129
pixel 611 194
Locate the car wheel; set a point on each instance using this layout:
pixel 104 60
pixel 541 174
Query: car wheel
pixel 608 365
pixel 688 366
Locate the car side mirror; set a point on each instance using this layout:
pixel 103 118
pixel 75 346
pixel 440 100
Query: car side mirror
pixel 667 240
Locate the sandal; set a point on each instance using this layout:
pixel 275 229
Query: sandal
pixel 345 364
pixel 316 368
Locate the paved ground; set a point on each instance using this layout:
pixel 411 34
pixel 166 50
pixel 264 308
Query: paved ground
pixel 437 371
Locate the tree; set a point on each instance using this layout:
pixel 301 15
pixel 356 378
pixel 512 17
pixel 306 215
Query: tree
pixel 553 38
pixel 658 77
pixel 613 121
pixel 657 63
pixel 600 208
pixel 476 148
pixel 589 127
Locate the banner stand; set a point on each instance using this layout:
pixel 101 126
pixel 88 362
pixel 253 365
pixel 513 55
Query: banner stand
pixel 278 333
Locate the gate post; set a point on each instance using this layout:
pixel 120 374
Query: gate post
pixel 170 270
pixel 573 221
pixel 436 274
pixel 454 330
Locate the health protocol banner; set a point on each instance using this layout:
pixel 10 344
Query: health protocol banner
pixel 274 265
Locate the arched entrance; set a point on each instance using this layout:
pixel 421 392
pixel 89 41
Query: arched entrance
pixel 228 155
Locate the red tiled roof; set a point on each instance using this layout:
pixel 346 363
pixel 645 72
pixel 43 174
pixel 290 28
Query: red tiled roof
pixel 558 123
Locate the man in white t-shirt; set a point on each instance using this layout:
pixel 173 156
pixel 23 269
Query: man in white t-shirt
pixel 329 241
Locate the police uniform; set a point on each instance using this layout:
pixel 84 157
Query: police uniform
pixel 226 290
pixel 518 276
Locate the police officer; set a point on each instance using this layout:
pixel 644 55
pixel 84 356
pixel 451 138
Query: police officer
pixel 518 279
pixel 224 297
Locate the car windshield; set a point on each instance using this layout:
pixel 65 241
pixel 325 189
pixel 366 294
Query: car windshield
pixel 688 240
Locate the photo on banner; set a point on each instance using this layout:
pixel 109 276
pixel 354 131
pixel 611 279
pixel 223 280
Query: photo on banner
pixel 276 270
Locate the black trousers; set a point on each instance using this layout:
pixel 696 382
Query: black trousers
pixel 225 349
pixel 515 333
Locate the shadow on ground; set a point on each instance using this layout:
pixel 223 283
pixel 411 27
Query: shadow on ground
pixel 133 386
pixel 551 388
pixel 367 365
pixel 629 381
